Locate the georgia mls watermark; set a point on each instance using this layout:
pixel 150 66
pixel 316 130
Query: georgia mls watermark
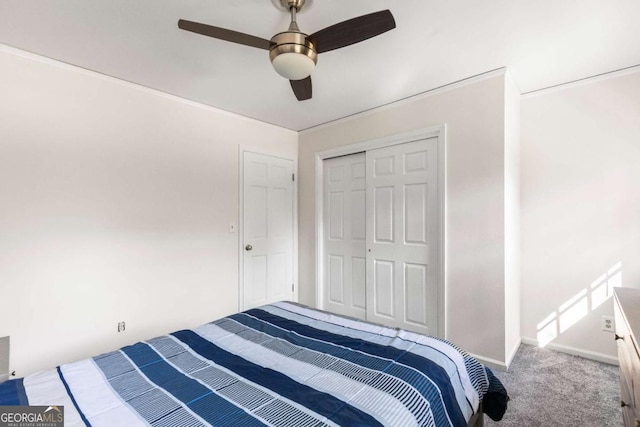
pixel 31 416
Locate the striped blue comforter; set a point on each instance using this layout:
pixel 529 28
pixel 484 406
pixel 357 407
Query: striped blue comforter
pixel 277 365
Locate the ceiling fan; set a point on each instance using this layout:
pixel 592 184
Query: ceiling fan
pixel 293 53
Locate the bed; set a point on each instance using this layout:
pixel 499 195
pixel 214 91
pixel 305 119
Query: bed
pixel 277 365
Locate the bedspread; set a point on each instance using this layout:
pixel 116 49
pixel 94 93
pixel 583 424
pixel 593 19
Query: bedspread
pixel 276 365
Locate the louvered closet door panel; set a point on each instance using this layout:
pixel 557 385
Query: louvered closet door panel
pixel 344 235
pixel 403 236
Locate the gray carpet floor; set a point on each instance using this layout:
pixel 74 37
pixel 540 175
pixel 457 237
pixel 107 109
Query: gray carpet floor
pixel 548 388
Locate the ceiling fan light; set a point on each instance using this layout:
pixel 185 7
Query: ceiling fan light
pixel 293 66
pixel 292 55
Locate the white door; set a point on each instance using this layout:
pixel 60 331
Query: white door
pixel 403 236
pixel 267 230
pixel 344 217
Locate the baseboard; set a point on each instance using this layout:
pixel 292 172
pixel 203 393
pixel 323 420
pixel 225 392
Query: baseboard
pixel 491 363
pixel 3 378
pixel 497 364
pixel 592 355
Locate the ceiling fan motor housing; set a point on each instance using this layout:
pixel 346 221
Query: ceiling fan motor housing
pixel 293 56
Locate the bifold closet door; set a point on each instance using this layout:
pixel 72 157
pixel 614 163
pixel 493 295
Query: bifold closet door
pixel 344 219
pixel 403 236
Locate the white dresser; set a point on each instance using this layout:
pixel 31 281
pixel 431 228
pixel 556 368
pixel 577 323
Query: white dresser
pixel 627 312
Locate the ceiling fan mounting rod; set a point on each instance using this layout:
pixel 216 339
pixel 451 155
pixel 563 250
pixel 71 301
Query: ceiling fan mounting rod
pixel 293 26
pixel 292 4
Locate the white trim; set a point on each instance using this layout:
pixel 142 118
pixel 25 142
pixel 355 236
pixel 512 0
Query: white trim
pixel 587 80
pixel 395 104
pixel 296 286
pixel 319 230
pixel 136 86
pixel 587 354
pixel 491 363
pixel 443 321
pixel 496 364
pixel 512 353
pixel 241 151
pixel 430 132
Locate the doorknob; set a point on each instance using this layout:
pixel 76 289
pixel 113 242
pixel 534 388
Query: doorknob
pixel 248 247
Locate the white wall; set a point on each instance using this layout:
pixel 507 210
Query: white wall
pixel 475 117
pixel 115 205
pixel 580 209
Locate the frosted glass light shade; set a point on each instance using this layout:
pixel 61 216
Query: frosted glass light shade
pixel 293 66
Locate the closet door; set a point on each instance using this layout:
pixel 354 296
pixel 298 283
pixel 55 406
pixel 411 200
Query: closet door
pixel 344 235
pixel 403 236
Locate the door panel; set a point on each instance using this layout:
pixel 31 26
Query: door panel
pixel 256 288
pixel 415 286
pixel 280 215
pixel 383 203
pixel 267 230
pixel 336 215
pixel 336 279
pixel 344 240
pixel 359 282
pixel 358 216
pixel 415 214
pixel 383 290
pixel 402 208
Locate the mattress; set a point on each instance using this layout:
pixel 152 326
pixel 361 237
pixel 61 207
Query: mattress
pixel 277 365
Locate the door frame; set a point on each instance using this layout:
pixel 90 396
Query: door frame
pixel 438 131
pixel 240 221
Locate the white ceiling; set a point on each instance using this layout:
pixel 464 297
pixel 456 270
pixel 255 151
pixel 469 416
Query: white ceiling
pixel 543 43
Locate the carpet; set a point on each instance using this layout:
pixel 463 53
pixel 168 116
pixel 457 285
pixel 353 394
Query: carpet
pixel 549 388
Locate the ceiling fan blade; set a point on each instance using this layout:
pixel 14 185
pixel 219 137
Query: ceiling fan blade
pixel 353 31
pixel 224 34
pixel 302 88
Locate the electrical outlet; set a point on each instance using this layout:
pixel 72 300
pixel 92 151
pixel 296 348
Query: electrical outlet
pixel 121 326
pixel 608 324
